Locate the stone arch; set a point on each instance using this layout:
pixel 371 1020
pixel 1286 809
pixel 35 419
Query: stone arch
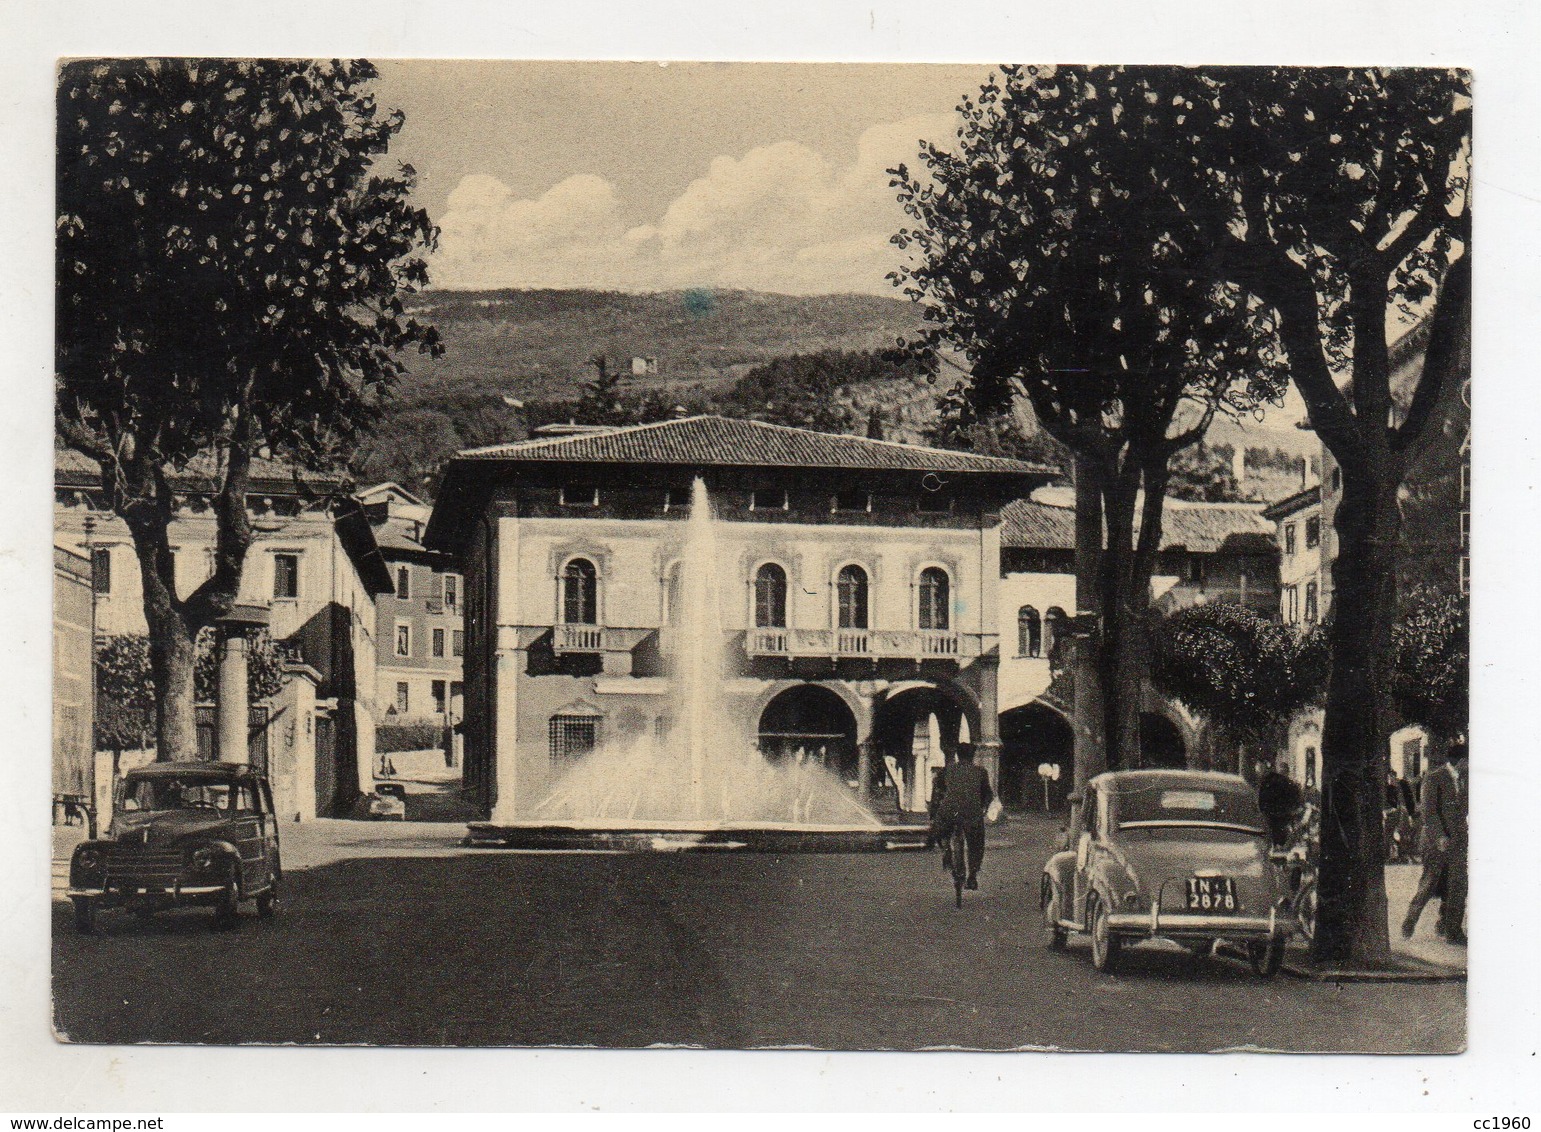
pixel 810 721
pixel 1036 733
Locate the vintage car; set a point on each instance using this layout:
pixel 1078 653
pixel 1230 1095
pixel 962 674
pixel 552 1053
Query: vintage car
pixel 1175 854
pixel 182 833
pixel 388 802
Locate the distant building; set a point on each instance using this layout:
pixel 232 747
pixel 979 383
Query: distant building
pixel 313 567
pixel 75 788
pixel 644 367
pixel 420 633
pixel 1209 552
pixel 858 611
pixel 1302 592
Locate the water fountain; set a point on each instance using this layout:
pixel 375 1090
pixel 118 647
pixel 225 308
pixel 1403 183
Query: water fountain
pixel 697 785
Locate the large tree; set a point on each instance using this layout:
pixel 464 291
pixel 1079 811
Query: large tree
pixel 1340 198
pixel 231 258
pixel 1041 253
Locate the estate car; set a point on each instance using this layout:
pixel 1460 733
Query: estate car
pixel 1172 854
pixel 182 833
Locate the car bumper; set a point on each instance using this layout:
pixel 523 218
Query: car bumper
pixel 1277 924
pixel 128 892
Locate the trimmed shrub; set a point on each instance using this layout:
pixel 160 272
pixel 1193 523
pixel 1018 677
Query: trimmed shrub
pixel 409 735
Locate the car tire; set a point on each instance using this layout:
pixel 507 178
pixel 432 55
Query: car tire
pixel 227 909
pixel 267 903
pixel 1105 944
pixel 1305 911
pixel 1054 936
pixel 85 914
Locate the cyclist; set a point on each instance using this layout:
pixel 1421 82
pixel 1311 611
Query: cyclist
pixel 963 795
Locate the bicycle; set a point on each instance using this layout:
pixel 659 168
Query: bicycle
pixel 958 856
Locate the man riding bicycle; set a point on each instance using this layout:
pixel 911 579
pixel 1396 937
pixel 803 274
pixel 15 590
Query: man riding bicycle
pixel 963 795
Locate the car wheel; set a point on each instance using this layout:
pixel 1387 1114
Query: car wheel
pixel 85 915
pixel 1266 958
pixel 1053 935
pixel 1104 943
pixel 267 902
pixel 1305 911
pixel 227 910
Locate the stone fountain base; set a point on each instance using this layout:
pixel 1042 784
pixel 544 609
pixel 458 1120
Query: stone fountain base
pixel 749 837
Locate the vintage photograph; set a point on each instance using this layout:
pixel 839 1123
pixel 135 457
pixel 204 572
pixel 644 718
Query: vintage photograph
pixel 761 555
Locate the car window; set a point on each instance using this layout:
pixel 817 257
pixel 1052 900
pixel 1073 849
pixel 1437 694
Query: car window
pixel 154 794
pixel 1181 803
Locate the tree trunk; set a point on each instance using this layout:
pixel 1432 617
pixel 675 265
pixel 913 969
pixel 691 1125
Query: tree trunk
pixel 173 641
pixel 1090 752
pixel 1351 921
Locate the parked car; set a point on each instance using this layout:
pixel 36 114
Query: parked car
pixel 182 833
pixel 388 802
pixel 1172 854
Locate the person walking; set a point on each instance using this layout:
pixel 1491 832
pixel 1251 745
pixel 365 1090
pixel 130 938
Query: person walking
pixel 1280 800
pixel 1443 848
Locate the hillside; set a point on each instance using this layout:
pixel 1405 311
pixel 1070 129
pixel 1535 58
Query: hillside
pixel 535 345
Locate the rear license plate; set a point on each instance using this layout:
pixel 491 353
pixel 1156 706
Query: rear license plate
pixel 1212 894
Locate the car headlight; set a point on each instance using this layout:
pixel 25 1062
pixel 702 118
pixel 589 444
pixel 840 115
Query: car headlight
pixel 203 858
pixel 89 860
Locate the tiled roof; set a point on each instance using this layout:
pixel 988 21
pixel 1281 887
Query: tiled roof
pixel 724 441
pixel 1290 504
pixel 73 467
pixel 1201 528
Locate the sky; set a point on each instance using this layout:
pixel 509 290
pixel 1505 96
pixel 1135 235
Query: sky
pixel 641 176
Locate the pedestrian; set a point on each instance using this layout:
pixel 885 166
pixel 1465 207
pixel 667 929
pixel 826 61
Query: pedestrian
pixel 1280 800
pixel 964 796
pixel 1443 846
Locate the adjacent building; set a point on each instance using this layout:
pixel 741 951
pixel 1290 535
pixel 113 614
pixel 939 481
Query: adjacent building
pixel 312 574
pixel 75 788
pixel 858 608
pixel 1302 582
pixel 419 632
pixel 1209 552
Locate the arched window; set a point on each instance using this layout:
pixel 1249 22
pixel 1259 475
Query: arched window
pixel 580 593
pixel 851 590
pixel 770 597
pixel 935 599
pixel 1053 629
pixel 1029 632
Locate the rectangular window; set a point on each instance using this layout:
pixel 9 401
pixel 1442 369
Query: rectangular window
pixel 853 501
pixel 438 642
pixel 101 570
pixel 768 500
pixel 1289 540
pixel 1313 532
pixel 438 696
pixel 1310 603
pixel 403 583
pixel 572 736
pixel 403 639
pixel 459 642
pixel 1292 605
pixel 286 575
pixel 403 701
pixel 452 593
pixel 456 690
pixel 1196 569
pixel 579 495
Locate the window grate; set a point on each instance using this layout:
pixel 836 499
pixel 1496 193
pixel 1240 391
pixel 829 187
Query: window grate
pixel 572 736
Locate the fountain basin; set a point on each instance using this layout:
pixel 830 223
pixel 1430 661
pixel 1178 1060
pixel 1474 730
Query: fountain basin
pixel 695 836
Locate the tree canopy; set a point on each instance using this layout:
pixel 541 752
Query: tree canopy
pixel 1432 678
pixel 231 254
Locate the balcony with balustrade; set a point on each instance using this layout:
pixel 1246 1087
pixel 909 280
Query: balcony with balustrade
pixel 865 644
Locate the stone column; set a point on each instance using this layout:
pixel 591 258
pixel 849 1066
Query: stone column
pixel 864 757
pixel 232 712
pixel 987 744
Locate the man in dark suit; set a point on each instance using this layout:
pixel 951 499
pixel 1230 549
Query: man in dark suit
pixel 965 796
pixel 1444 849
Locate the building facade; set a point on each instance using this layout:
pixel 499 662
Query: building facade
pixel 857 585
pixel 1209 552
pixel 75 788
pixel 1302 591
pixel 420 631
pixel 313 567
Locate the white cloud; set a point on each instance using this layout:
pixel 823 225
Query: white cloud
pixel 781 217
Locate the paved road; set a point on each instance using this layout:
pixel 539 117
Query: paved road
pixel 394 936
